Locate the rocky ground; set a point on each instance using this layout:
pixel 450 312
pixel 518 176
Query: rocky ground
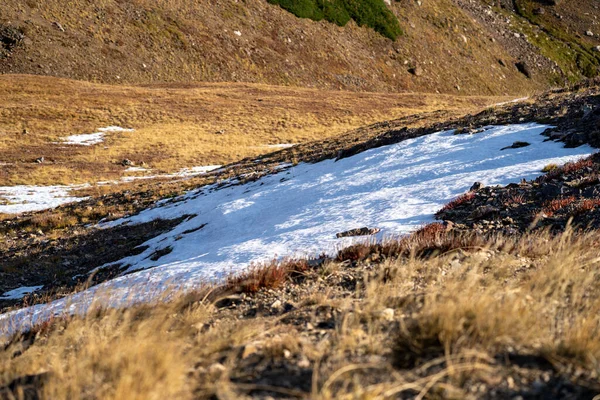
pixel 363 323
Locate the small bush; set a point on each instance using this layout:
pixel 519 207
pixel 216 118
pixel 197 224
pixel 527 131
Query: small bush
pixel 371 13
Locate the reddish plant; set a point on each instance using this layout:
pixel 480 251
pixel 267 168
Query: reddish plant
pixel 552 206
pixel 462 199
pixel 567 169
pixel 586 206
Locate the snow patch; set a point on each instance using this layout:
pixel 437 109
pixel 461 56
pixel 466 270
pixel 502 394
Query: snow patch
pixel 298 211
pixel 17 294
pixel 90 139
pixel 20 199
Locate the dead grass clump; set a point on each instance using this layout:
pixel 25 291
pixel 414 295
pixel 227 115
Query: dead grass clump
pixel 270 276
pixel 462 199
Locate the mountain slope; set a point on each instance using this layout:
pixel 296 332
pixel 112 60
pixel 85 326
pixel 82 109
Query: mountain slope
pixel 448 45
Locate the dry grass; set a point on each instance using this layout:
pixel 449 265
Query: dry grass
pixel 178 126
pixel 457 321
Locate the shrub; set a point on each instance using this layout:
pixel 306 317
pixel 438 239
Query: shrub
pixel 371 13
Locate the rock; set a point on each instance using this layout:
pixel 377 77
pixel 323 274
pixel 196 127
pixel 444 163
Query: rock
pixel 25 131
pixel 58 26
pixel 388 314
pixel 304 362
pixel 516 145
pixel 416 71
pixel 358 232
pixel 249 349
pixel 597 48
pixel 127 163
pixel 589 33
pixel 476 186
pixel 539 11
pixel 216 370
pixel 592 192
pixel 40 160
pixel 276 304
pixel 551 190
pixel 523 68
pixel 482 211
pixel 220 132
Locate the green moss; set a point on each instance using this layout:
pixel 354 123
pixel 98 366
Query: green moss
pixel 371 13
pixel 564 48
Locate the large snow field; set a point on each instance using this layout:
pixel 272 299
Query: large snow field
pixel 298 211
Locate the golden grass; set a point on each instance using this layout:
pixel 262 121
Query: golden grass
pixel 453 314
pixel 178 126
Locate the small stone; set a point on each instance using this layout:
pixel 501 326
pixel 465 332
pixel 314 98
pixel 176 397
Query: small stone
pixel 476 186
pixel 40 160
pixel 304 362
pixel 287 354
pixel 127 163
pixel 249 350
pixel 416 71
pixel 25 131
pixel 516 145
pixel 589 33
pixel 309 326
pixel 483 211
pixel 276 304
pixel 216 370
pixel 58 26
pixel 388 314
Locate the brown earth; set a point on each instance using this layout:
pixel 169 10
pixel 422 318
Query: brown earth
pixel 457 46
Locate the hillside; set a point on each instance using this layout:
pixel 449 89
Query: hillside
pixel 254 41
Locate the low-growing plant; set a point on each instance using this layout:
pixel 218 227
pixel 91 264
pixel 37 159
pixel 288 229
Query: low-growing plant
pixel 551 207
pixel 462 199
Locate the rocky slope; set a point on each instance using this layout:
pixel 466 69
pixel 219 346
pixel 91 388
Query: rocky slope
pixel 449 46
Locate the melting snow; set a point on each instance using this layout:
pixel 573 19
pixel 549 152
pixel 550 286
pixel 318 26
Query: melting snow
pixel 18 293
pixel 298 211
pixel 90 139
pixel 21 199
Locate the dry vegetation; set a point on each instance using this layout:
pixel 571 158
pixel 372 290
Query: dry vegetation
pixel 177 126
pixel 481 319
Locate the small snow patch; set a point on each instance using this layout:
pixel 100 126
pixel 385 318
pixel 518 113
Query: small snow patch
pixel 90 139
pixel 18 293
pixel 280 146
pixel 19 199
